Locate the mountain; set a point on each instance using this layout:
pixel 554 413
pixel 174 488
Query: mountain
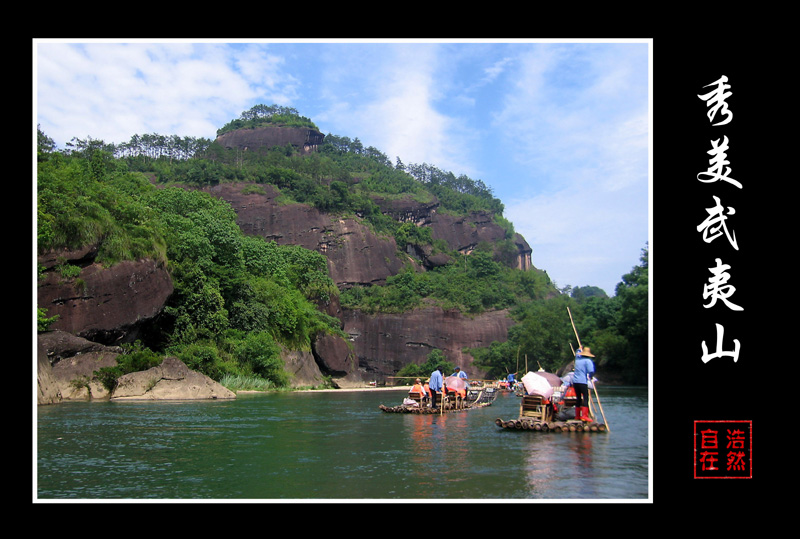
pixel 373 236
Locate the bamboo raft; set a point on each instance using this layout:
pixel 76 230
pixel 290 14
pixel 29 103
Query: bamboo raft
pixel 526 423
pixel 537 414
pixel 475 399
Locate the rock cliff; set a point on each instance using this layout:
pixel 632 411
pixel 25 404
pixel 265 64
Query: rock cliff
pixel 66 364
pixel 355 254
pixel 380 344
pixel 384 343
pixel 303 138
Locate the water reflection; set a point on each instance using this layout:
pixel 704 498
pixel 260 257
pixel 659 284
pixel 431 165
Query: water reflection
pixel 308 446
pixel 437 449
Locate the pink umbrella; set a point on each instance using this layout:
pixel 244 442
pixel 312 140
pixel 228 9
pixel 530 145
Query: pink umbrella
pixel 537 385
pixel 456 383
pixel 551 378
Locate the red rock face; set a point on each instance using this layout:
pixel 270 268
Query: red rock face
pixel 303 138
pixel 355 255
pixel 464 233
pixel 107 305
pixel 384 343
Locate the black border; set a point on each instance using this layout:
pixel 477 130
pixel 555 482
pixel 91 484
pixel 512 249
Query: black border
pixel 685 388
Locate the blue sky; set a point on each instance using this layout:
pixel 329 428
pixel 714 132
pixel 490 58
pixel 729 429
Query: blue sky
pixel 561 131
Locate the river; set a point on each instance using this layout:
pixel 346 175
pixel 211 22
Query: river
pixel 326 446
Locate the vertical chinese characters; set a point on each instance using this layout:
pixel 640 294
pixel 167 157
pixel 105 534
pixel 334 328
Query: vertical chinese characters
pixel 715 225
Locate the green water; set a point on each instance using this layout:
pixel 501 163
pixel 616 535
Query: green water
pixel 332 446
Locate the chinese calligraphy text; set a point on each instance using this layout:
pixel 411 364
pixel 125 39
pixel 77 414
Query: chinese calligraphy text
pixel 715 224
pixel 723 450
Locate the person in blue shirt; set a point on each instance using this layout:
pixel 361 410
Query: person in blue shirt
pixel 511 380
pixel 461 374
pixel 584 370
pixel 435 384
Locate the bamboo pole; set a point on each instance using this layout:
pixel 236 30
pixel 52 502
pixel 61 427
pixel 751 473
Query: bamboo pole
pixel 573 328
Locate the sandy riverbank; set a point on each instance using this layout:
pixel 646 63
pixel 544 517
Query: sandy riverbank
pixel 366 388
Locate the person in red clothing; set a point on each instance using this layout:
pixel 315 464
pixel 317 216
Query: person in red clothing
pixel 418 389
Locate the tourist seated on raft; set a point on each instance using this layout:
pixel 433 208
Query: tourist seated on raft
pixel 460 393
pixel 453 392
pixel 418 390
pixel 428 393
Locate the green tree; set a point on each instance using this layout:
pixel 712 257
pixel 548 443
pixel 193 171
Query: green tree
pixel 582 292
pixel 633 294
pixel 261 351
pixel 436 358
pixel 499 358
pixel 545 335
pixel 44 143
pixel 42 321
pixel 197 305
pixel 411 234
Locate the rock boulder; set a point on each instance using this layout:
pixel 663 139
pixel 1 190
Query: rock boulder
pixel 172 380
pixel 66 366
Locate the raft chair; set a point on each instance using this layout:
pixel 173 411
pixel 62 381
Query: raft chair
pixel 534 406
pixel 454 398
pixel 415 397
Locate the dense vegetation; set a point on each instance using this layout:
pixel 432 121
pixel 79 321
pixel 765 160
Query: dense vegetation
pixel 238 298
pixel 616 328
pixel 472 284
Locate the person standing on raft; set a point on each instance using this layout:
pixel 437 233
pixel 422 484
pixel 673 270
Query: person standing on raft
pixel 435 385
pixel 584 370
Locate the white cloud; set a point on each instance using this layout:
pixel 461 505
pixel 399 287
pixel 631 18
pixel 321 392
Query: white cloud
pixel 582 114
pixel 581 238
pixel 113 91
pixel 396 106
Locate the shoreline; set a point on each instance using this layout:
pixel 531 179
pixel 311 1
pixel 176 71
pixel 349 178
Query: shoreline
pixel 368 388
pixel 392 388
